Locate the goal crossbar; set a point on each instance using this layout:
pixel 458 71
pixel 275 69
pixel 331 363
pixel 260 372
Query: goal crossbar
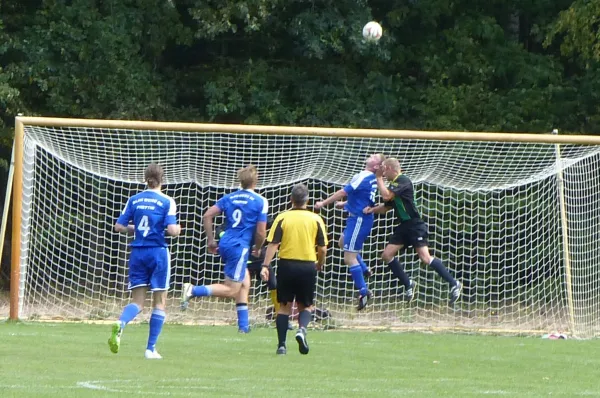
pixel 313 131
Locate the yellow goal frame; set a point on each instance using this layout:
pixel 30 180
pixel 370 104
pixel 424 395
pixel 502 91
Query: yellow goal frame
pixel 18 149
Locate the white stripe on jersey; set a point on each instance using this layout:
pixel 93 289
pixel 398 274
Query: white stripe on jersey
pixel 265 209
pixel 172 205
pixel 358 178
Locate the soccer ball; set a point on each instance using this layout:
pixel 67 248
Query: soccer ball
pixel 372 31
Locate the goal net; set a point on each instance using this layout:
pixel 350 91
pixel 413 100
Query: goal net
pixel 528 264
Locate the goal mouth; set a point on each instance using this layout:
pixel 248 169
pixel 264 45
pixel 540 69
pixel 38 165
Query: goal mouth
pixel 512 216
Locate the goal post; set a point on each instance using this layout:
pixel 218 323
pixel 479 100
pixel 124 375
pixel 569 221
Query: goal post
pixel 514 216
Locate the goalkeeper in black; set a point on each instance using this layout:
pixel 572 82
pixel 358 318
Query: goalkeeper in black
pixel 411 230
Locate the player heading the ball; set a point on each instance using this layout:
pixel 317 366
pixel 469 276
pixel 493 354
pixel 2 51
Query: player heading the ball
pixel 411 230
pixel 150 212
pixel 361 191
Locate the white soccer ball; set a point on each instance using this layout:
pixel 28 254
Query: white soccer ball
pixel 372 31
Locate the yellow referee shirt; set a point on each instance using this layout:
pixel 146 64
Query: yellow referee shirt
pixel 298 231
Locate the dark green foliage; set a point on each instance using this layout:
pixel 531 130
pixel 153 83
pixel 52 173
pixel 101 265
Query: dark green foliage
pixel 463 65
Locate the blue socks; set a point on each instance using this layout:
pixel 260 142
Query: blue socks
pixel 129 313
pixel 201 291
pixel 363 265
pixel 358 278
pixel 156 323
pixel 242 314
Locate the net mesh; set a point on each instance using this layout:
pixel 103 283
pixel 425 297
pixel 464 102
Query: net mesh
pixel 492 208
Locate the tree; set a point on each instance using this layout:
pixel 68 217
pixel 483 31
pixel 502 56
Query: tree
pixel 84 58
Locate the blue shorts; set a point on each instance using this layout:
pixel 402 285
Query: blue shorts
pixel 357 230
pixel 150 266
pixel 235 258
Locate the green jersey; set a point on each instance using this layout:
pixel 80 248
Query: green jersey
pixel 404 198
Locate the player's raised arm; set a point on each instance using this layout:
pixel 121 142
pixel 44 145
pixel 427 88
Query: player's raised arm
pixel 333 198
pixel 385 193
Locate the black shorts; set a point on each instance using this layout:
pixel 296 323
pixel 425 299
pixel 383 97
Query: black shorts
pixel 412 233
pixel 254 267
pixel 296 280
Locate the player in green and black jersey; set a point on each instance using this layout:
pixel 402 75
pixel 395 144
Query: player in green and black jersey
pixel 411 230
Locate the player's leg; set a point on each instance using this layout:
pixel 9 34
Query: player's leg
pixel 357 230
pixel 235 258
pixel 139 279
pixel 365 268
pixel 306 282
pixel 157 320
pixel 396 243
pixel 130 311
pixel 241 305
pixel 159 283
pixel 438 266
pixel 285 297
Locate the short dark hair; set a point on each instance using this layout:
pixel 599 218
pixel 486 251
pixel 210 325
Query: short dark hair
pixel 299 194
pixel 154 175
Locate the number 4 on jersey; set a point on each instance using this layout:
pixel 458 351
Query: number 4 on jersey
pixel 143 226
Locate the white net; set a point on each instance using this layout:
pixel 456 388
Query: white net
pixel 493 212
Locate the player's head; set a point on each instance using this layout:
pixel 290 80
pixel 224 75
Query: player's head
pixel 374 161
pixel 391 168
pixel 153 176
pixel 248 177
pixel 299 195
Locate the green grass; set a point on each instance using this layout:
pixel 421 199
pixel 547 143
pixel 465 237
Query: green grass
pixel 73 360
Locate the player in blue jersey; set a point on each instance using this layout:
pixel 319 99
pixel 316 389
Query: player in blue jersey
pixel 246 227
pixel 360 194
pixel 411 230
pixel 151 212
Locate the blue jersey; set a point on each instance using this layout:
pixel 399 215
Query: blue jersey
pixel 151 212
pixel 361 192
pixel 243 209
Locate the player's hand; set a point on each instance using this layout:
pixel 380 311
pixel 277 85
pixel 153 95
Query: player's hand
pixel 213 247
pixel 256 251
pixel 130 229
pixel 264 274
pixel 318 266
pixel 340 204
pixel 368 210
pixel 318 205
pixel 379 172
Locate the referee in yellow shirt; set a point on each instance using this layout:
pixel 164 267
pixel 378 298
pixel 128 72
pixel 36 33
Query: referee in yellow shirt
pixel 296 233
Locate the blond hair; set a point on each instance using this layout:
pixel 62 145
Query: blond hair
pixel 248 176
pixel 391 163
pixel 153 176
pixel 382 157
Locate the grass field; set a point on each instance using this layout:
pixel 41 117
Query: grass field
pixel 73 360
